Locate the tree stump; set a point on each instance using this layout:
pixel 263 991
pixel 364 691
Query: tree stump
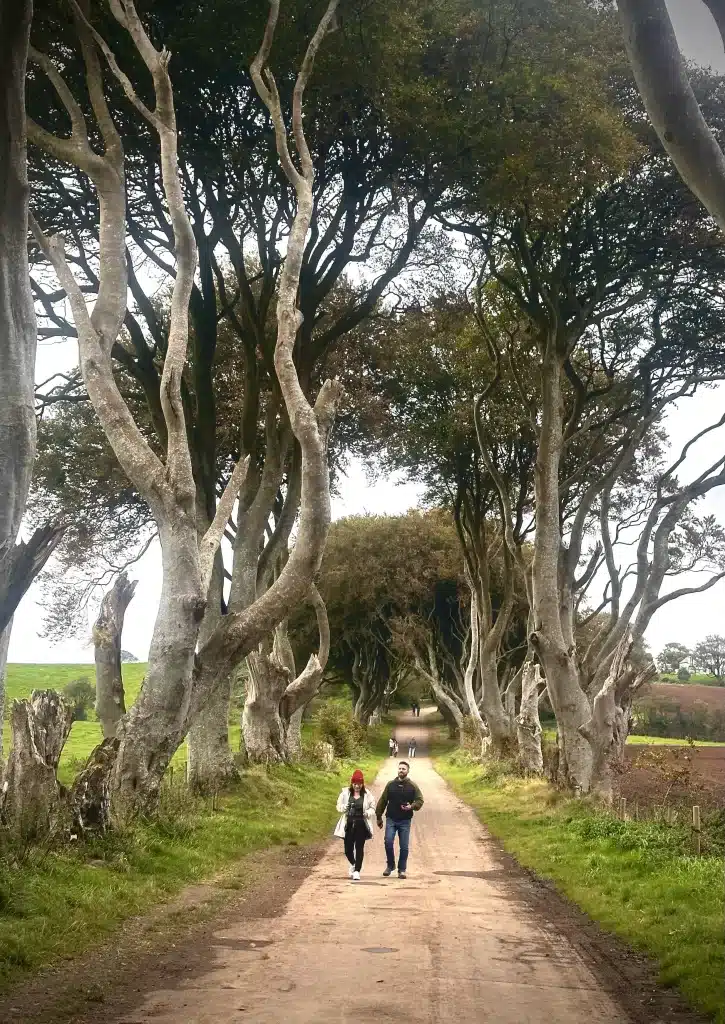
pixel 90 796
pixel 31 797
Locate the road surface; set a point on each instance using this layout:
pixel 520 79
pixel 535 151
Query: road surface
pixel 454 942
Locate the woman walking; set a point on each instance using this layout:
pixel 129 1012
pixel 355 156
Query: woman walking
pixel 356 805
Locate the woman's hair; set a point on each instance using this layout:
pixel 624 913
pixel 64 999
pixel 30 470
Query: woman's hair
pixel 362 789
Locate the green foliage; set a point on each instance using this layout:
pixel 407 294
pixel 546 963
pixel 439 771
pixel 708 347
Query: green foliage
pixel 639 879
pixel 670 720
pixel 335 724
pixel 683 674
pixel 378 573
pixel 671 657
pixel 81 695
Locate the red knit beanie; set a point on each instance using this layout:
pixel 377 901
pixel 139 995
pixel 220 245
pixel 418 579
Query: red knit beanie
pixel 357 776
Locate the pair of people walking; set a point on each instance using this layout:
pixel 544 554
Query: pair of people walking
pixel 356 805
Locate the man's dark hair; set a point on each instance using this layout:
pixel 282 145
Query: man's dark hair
pixel 403 762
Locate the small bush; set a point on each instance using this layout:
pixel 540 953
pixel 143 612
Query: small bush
pixel 336 724
pixel 683 674
pixel 81 695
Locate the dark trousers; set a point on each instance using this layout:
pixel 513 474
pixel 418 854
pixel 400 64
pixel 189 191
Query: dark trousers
pixel 356 835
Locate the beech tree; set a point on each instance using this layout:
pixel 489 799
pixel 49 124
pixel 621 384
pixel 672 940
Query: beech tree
pixel 19 562
pixel 622 318
pixel 178 682
pixel 389 150
pixel 425 367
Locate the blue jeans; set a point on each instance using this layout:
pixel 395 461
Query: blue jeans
pixel 403 830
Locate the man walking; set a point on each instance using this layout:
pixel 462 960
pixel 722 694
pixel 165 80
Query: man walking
pixel 412 744
pixel 400 798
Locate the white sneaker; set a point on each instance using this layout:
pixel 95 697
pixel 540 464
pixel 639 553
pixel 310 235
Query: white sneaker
pixel 351 871
pixel 356 876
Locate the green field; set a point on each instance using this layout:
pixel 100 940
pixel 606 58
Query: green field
pixel 639 879
pixel 23 679
pixel 655 741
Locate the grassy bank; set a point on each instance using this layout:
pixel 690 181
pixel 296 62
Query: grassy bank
pixel 56 903
pixel 638 879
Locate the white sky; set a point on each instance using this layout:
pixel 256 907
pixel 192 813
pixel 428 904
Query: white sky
pixel 687 620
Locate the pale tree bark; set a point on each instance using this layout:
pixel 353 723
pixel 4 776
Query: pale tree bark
pixel 178 684
pixel 4 645
pixel 608 727
pixel 447 706
pixel 528 725
pixel 663 82
pixel 30 802
pixel 275 695
pixel 470 673
pixel 210 762
pixel 554 649
pixel 152 730
pixel 19 563
pixel 107 645
pixel 240 633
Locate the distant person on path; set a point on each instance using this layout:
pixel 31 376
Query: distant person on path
pixel 391 747
pixel 400 798
pixel 412 744
pixel 414 707
pixel 395 748
pixel 356 806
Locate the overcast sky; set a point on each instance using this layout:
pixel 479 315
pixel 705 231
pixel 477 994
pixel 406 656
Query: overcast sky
pixel 687 620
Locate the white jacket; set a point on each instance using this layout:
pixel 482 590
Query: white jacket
pixel 368 811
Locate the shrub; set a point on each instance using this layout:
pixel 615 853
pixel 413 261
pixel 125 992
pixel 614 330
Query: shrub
pixel 336 724
pixel 81 695
pixel 683 674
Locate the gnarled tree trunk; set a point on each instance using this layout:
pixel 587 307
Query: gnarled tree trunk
pixel 19 564
pixel 528 726
pixel 210 760
pixel 107 635
pixel 608 728
pixel 558 657
pixel 31 798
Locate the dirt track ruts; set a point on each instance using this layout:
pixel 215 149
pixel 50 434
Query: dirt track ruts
pixel 457 941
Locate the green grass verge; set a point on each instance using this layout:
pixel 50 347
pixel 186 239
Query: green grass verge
pixel 57 903
pixel 637 879
pixel 23 679
pixel 635 740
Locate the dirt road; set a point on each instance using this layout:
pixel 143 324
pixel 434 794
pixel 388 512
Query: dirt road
pixel 456 941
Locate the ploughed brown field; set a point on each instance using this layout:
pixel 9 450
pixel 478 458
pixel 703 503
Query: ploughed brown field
pixel 687 696
pixel 678 775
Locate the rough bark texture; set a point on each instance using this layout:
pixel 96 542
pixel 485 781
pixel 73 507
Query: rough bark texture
pixel 90 795
pixel 31 797
pixel 661 76
pixel 608 728
pixel 556 652
pixel 528 726
pixel 294 735
pixel 4 644
pixel 17 313
pixel 210 760
pixel 107 636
